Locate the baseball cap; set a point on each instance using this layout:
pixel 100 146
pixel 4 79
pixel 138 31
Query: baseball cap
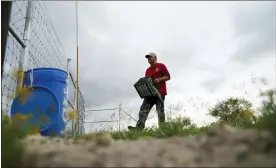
pixel 151 54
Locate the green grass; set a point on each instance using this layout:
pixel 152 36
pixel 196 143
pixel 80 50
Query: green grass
pixel 174 127
pixel 11 148
pixel 267 121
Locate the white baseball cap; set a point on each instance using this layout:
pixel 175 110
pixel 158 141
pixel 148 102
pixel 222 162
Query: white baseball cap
pixel 151 54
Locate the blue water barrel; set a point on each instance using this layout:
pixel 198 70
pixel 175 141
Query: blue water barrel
pixel 35 110
pixel 55 80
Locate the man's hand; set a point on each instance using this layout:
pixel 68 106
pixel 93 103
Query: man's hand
pixel 158 80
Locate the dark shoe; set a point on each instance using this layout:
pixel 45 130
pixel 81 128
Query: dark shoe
pixel 131 128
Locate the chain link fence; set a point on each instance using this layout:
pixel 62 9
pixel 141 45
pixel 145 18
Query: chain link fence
pixel 33 43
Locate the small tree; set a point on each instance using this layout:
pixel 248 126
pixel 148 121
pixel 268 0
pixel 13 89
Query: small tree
pixel 233 111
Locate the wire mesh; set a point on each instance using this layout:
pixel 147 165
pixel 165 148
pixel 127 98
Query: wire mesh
pixel 107 119
pixel 72 103
pixel 9 77
pixel 116 119
pixel 18 17
pixel 111 119
pixel 44 50
pixel 72 88
pixel 68 125
pixel 12 56
pixel 82 114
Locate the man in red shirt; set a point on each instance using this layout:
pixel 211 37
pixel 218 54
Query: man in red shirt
pixel 160 74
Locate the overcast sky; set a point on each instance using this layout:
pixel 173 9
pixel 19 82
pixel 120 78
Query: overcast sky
pixel 213 50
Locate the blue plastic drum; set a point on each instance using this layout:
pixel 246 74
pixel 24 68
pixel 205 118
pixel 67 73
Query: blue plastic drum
pixel 36 109
pixel 55 80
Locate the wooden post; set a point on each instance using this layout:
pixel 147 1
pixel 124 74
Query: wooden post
pixel 77 83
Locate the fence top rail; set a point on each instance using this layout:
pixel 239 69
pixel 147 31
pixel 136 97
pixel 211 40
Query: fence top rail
pixel 23 45
pixel 91 110
pixel 105 109
pixel 100 121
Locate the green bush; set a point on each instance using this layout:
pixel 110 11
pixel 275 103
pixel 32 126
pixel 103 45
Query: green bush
pixel 233 111
pixel 267 120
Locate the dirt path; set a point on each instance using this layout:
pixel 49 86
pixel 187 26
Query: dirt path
pixel 224 146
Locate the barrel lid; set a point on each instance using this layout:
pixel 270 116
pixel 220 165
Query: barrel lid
pixel 45 69
pixel 35 109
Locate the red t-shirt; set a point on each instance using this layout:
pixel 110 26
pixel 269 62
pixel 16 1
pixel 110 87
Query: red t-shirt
pixel 157 71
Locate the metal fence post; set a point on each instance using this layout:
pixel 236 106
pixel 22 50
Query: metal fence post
pixel 5 21
pixel 26 40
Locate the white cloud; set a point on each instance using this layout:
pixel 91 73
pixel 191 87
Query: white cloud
pixel 207 46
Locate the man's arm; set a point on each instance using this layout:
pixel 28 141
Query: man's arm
pixel 146 74
pixel 164 78
pixel 166 75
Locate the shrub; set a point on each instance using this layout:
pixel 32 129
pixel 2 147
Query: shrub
pixel 267 120
pixel 233 111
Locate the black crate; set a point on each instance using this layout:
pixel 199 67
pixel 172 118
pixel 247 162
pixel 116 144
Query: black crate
pixel 145 87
